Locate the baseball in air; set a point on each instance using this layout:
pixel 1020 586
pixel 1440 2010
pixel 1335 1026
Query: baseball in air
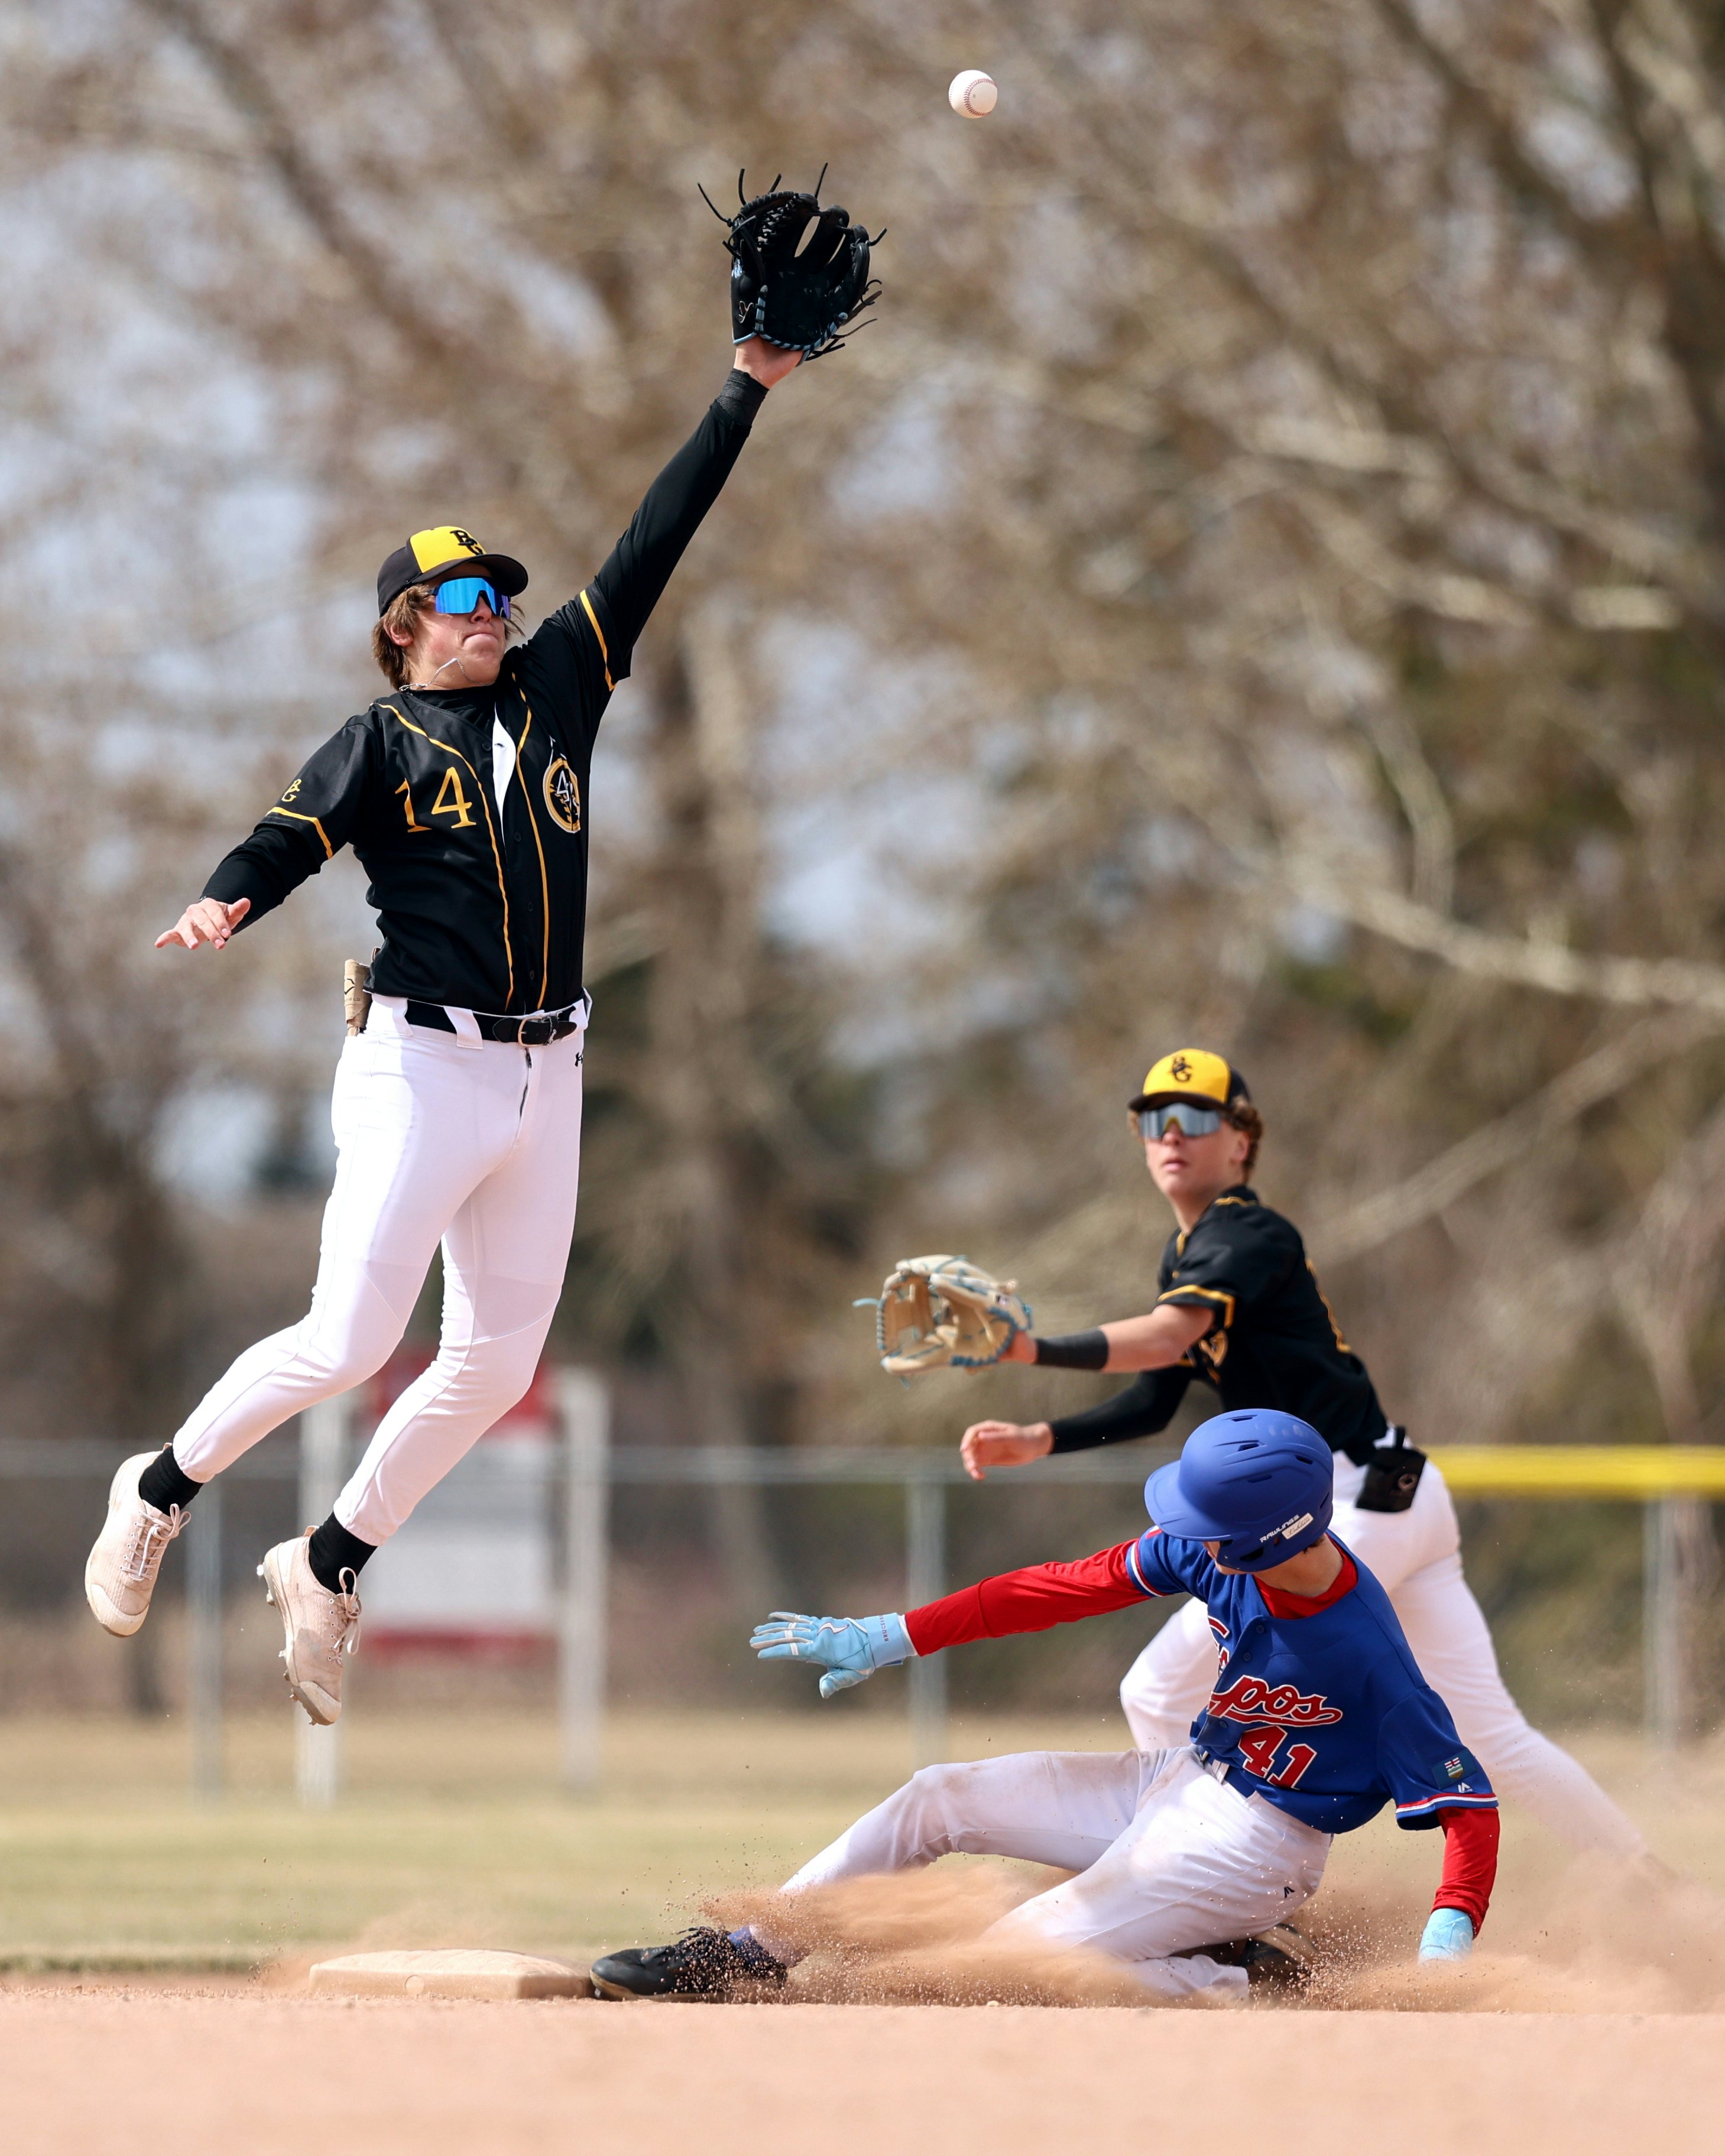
pixel 972 94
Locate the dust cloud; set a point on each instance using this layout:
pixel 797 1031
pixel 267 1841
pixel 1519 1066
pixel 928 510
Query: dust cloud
pixel 1634 1941
pixel 916 1938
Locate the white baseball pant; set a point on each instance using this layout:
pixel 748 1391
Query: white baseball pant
pixel 1417 1556
pixel 439 1138
pixel 1167 1857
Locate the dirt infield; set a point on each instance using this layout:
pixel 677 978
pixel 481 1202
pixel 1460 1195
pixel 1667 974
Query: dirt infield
pixel 1592 2017
pixel 203 2072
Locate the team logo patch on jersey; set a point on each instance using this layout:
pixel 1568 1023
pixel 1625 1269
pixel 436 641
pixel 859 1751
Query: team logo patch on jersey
pixel 1455 1769
pixel 1249 1699
pixel 562 794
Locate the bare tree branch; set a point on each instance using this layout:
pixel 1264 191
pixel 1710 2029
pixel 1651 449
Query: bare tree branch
pixel 1685 983
pixel 1372 1221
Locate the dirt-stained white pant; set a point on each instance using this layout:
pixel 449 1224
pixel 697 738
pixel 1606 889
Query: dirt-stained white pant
pixel 1417 1556
pixel 439 1138
pixel 1168 1858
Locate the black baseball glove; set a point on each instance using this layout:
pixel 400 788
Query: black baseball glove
pixel 795 286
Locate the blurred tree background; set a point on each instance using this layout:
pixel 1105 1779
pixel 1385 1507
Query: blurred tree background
pixel 1258 582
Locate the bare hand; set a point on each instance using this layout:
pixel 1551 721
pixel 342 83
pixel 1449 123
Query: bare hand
pixel 767 362
pixel 1020 1349
pixel 987 1444
pixel 208 920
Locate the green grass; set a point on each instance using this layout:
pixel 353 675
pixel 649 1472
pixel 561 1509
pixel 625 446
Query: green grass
pixel 452 1829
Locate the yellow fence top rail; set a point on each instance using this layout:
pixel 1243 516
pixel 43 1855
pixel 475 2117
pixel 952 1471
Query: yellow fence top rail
pixel 1584 1471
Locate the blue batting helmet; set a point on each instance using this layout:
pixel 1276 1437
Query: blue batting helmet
pixel 1260 1483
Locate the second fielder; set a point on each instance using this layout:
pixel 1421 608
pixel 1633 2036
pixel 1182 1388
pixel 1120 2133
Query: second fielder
pixel 1238 1308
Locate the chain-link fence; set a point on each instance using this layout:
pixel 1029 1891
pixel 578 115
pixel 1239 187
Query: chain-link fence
pixel 557 1569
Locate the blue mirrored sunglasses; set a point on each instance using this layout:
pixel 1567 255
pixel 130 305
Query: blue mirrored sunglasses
pixel 1196 1123
pixel 462 594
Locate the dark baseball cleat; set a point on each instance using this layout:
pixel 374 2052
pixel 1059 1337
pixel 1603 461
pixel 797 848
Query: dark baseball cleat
pixel 702 1964
pixel 1280 1959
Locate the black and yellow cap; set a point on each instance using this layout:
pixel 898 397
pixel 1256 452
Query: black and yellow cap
pixel 1192 1074
pixel 445 551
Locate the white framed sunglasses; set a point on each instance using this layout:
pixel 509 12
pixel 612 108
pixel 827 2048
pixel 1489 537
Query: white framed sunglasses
pixel 1190 1118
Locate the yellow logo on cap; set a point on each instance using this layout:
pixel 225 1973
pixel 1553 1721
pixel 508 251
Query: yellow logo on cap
pixel 443 542
pixel 1192 1072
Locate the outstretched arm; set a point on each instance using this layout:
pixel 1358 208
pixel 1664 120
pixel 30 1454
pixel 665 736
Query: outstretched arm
pixel 310 823
pixel 1034 1599
pixel 850 1649
pixel 628 587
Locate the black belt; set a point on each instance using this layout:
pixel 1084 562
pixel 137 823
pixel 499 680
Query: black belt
pixel 537 1032
pixel 1236 1778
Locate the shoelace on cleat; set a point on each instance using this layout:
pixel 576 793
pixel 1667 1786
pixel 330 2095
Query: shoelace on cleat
pixel 347 1604
pixel 347 1608
pixel 151 1534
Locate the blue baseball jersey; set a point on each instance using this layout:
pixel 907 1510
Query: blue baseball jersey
pixel 1324 1714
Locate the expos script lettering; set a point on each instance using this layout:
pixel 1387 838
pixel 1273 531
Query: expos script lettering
pixel 1251 1699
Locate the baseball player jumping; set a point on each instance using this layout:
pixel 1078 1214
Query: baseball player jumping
pixel 1238 1308
pixel 1190 1857
pixel 457 1103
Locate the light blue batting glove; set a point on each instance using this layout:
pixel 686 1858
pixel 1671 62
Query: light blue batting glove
pixel 848 1649
pixel 1448 1936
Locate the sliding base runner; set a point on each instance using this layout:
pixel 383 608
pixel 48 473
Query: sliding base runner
pixel 1188 1861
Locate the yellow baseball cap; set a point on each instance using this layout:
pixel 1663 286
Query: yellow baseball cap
pixel 445 550
pixel 1191 1074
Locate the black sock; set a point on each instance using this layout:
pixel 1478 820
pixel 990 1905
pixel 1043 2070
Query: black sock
pixel 164 1483
pixel 334 1549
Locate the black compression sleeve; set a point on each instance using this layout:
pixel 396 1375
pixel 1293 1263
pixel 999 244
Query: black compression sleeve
pixel 641 562
pixel 1074 1351
pixel 263 868
pixel 1146 1406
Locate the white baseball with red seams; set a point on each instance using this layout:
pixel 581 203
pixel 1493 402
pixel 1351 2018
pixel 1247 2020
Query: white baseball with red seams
pixel 1417 1556
pixel 972 94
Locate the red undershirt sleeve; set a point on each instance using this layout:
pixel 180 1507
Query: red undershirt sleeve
pixel 1470 1862
pixel 1032 1600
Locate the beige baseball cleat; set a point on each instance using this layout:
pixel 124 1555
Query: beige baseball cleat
pixel 320 1627
pixel 119 1576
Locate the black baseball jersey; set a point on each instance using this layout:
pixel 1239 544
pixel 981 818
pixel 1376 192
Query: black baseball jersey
pixel 1273 1341
pixel 469 809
